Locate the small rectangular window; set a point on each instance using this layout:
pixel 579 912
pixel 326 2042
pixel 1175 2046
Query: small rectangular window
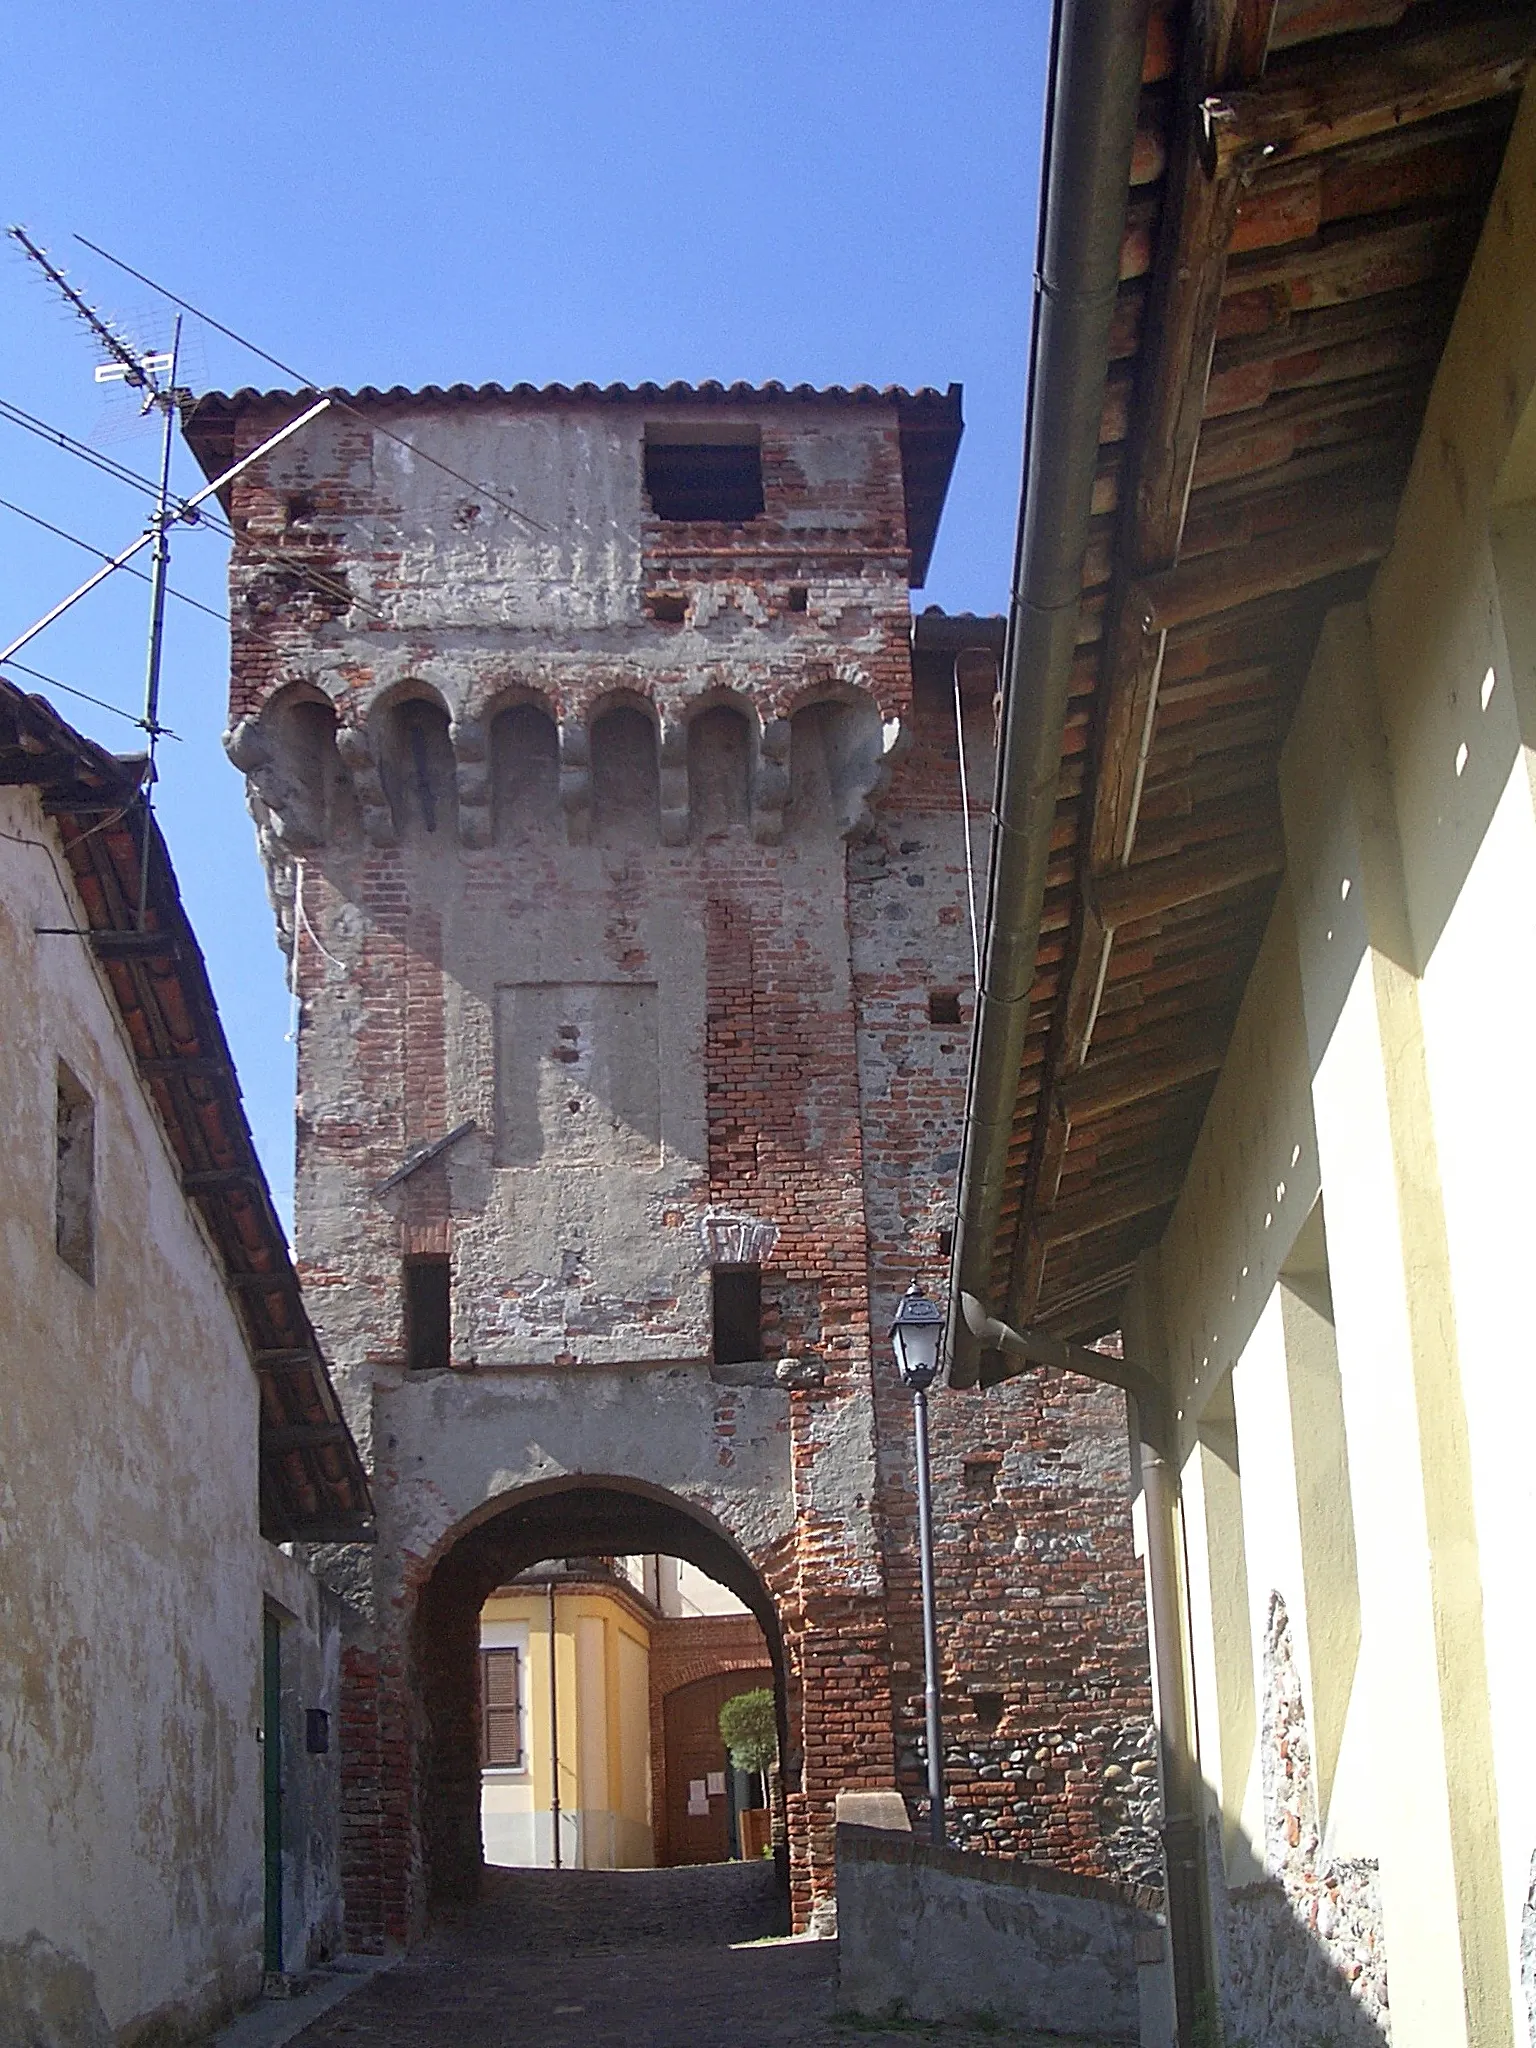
pixel 988 1709
pixel 74 1181
pixel 738 1302
pixel 426 1312
pixel 979 1475
pixel 694 471
pixel 501 1710
pixel 944 1006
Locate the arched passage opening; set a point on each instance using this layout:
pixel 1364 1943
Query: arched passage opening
pixel 586 1518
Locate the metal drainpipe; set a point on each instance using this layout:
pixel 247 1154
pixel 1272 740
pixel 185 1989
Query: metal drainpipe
pixel 1182 1832
pixel 554 1732
pixel 1093 95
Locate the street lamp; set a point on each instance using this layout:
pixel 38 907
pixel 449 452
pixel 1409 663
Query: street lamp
pixel 915 1336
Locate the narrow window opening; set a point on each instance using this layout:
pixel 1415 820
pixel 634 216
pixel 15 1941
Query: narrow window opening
pixel 944 1006
pixel 988 1709
pixel 426 1313
pixel 501 1710
pixel 667 607
pixel 738 1305
pixel 74 1184
pixel 691 473
pixel 425 794
pixel 799 597
pixel 980 1477
pixel 947 1241
pixel 299 508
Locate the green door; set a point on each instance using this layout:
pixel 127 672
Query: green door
pixel 272 1789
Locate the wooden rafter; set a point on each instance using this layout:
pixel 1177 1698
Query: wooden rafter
pixel 1287 290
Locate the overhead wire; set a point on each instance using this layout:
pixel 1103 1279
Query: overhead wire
pixel 202 515
pixel 85 696
pixel 61 533
pixel 308 384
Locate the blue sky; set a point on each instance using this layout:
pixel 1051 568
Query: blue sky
pixel 605 189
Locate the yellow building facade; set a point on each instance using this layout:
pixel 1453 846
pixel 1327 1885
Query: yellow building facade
pixel 565 1727
pixel 1341 1300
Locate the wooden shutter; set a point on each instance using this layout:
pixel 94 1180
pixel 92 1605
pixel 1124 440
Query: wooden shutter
pixel 500 1709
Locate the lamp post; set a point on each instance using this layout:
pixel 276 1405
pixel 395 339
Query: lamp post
pixel 915 1336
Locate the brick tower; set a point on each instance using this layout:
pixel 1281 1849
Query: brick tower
pixel 613 829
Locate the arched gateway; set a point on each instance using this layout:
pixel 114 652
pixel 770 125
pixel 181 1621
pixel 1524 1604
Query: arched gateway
pixel 579 1517
pixel 614 831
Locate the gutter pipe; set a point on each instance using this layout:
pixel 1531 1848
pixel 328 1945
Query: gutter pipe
pixel 1039 1347
pixel 1092 99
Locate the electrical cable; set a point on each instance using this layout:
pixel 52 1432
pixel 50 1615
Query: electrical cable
pixel 85 696
pixel 101 555
pixel 17 416
pixel 203 516
pixel 308 384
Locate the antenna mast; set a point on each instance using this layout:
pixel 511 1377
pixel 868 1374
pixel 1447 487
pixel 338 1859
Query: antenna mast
pixel 143 370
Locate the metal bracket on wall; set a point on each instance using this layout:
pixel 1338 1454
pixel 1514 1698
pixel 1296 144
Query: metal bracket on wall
pixel 419 1155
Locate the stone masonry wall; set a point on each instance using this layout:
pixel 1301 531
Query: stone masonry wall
pixel 1050 1752
pixel 597 851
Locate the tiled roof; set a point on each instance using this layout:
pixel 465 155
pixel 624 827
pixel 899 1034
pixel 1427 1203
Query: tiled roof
pixel 312 1484
pixel 930 422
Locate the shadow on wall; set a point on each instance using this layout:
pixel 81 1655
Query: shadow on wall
pixel 1299 1954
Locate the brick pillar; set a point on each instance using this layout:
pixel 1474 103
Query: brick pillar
pixel 362 1854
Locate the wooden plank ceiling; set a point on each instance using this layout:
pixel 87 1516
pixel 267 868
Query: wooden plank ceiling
pixel 1308 186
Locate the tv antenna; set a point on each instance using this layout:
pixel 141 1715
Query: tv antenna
pixel 152 374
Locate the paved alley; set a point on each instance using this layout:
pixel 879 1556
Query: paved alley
pixel 648 1959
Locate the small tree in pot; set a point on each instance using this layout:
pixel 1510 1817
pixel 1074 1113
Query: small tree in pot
pixel 749 1728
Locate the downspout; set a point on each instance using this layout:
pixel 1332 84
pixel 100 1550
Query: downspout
pixel 1092 98
pixel 554 1731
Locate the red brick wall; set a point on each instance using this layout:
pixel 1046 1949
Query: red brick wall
pixel 1039 1593
pixel 831 1105
pixel 686 1647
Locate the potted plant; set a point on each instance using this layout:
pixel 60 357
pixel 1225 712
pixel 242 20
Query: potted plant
pixel 749 1728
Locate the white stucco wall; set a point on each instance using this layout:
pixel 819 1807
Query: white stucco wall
pixel 1383 1056
pixel 130 1592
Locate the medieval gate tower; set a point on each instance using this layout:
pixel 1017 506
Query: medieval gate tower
pixel 611 812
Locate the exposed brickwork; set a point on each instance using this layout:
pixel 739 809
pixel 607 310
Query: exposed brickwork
pixel 687 1647
pixel 610 848
pixel 1041 1617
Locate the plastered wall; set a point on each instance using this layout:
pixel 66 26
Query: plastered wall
pixel 130 1563
pixel 617 848
pixel 1352 1395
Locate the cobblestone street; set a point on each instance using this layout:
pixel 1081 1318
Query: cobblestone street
pixel 649 1959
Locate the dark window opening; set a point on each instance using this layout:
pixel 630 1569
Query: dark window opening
pixel 944 1006
pixel 738 1293
pixel 501 1710
pixel 704 477
pixel 988 1709
pixel 74 1181
pixel 667 607
pixel 980 1476
pixel 416 732
pixel 426 1313
pixel 299 509
pixel 947 1241
pixel 317 1732
pixel 799 597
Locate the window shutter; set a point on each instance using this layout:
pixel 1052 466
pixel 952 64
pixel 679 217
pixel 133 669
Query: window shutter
pixel 500 1703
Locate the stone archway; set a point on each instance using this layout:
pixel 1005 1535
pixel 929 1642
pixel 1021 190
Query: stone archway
pixel 582 1516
